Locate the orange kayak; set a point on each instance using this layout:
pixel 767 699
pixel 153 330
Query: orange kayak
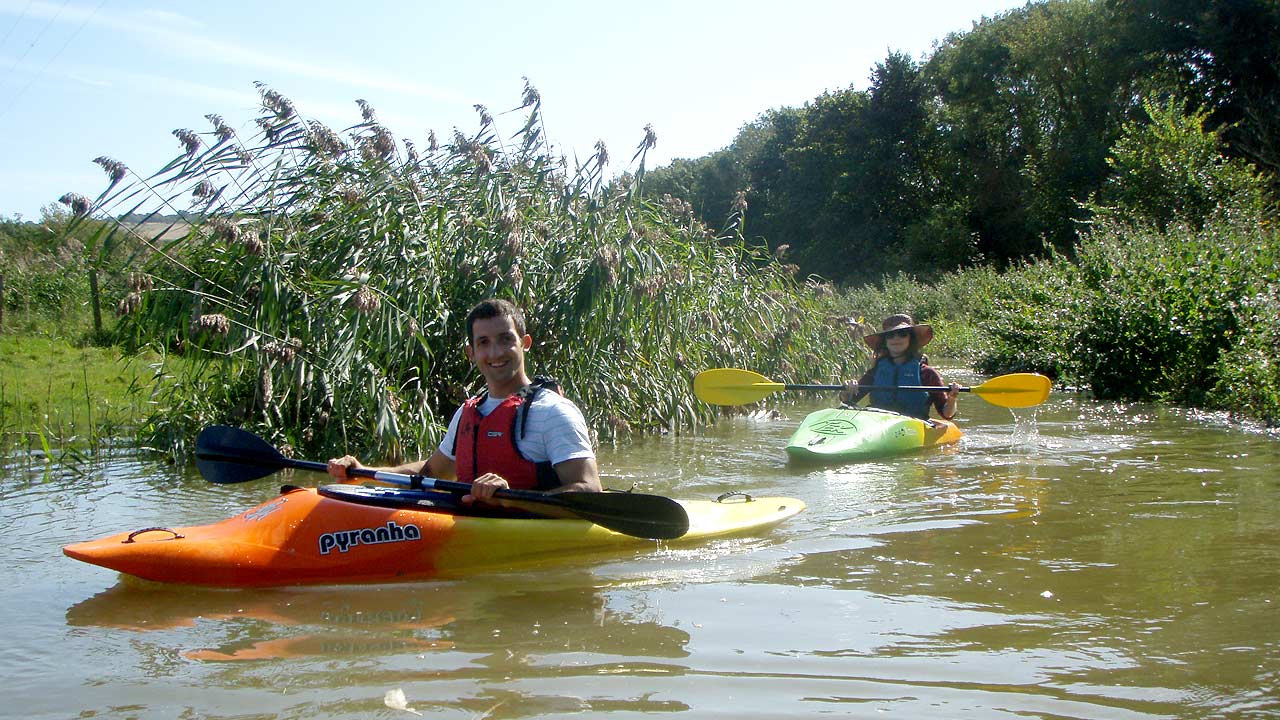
pixel 352 534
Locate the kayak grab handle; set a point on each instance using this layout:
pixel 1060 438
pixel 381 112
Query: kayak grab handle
pixel 135 533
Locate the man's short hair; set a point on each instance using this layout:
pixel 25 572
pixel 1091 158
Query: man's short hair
pixel 494 308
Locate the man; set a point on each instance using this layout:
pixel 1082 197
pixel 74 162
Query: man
pixel 519 434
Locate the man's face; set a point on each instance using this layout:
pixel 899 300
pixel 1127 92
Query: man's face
pixel 497 351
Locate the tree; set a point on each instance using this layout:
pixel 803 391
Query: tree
pixel 1223 54
pixel 1171 169
pixel 1031 102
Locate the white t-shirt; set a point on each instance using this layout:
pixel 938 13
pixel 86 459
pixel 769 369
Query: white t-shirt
pixel 556 430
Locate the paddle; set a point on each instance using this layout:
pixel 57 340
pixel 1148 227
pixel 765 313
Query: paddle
pixel 728 386
pixel 230 455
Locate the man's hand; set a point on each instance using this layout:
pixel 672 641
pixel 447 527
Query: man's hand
pixel 483 488
pixel 338 467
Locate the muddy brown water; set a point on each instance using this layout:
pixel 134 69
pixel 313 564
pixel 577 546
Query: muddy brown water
pixel 1083 560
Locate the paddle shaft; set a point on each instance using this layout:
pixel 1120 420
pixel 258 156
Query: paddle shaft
pixel 420 482
pixel 925 388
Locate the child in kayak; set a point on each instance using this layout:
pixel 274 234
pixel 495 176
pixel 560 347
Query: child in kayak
pixel 898 362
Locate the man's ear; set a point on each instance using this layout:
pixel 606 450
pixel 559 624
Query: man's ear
pixel 526 342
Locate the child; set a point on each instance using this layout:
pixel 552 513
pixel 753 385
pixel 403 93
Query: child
pixel 898 362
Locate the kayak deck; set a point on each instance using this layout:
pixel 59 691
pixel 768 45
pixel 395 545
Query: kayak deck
pixel 847 434
pixel 308 536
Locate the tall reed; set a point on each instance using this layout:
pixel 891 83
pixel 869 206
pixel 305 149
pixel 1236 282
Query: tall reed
pixel 319 294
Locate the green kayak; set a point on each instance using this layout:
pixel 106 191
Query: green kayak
pixel 844 434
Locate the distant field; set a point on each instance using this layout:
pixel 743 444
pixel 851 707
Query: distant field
pixel 162 230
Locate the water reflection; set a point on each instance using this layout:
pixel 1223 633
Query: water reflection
pixel 497 624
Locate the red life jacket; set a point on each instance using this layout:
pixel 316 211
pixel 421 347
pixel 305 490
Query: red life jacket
pixel 488 444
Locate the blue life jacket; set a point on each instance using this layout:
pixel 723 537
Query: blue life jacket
pixel 908 402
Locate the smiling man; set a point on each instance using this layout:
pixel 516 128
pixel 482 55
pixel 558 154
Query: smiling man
pixel 519 433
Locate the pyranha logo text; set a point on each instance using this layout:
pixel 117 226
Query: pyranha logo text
pixel 344 540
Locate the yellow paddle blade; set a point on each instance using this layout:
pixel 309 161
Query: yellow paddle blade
pixel 730 386
pixel 1018 390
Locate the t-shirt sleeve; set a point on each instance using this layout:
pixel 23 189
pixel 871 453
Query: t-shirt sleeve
pixel 558 431
pixel 450 436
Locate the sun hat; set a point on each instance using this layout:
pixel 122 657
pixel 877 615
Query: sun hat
pixel 923 333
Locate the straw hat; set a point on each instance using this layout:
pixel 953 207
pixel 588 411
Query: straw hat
pixel 923 333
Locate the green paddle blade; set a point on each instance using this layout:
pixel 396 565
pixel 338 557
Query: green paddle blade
pixel 1017 390
pixel 730 386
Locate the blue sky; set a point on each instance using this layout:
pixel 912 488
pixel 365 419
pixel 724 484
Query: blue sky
pixel 84 78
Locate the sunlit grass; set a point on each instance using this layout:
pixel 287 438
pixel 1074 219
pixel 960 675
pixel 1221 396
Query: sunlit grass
pixel 54 393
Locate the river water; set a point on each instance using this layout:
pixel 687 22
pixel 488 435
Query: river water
pixel 1080 560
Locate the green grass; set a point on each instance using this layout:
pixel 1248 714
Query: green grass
pixel 54 393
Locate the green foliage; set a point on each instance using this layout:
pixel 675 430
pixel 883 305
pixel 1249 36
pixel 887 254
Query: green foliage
pixel 1188 317
pixel 984 153
pixel 1171 170
pixel 1165 305
pixel 44 285
pixel 1247 372
pixel 1220 54
pixel 319 296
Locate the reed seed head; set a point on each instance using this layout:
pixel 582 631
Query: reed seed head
pixel 366 111
pixel 378 146
pixel 129 304
pixel 214 324
pixel 350 195
pixel 113 168
pixel 282 351
pixel 323 141
pixel 140 282
pixel 190 141
pixel 650 138
pixel 275 103
pixel 366 301
pixel 253 244
pixel 265 385
pixel 220 128
pixel 531 95
pixel 204 190
pixel 78 203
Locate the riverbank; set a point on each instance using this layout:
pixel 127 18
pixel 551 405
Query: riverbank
pixel 56 393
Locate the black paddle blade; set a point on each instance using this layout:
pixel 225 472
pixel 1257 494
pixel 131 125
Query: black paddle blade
pixel 646 516
pixel 228 455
